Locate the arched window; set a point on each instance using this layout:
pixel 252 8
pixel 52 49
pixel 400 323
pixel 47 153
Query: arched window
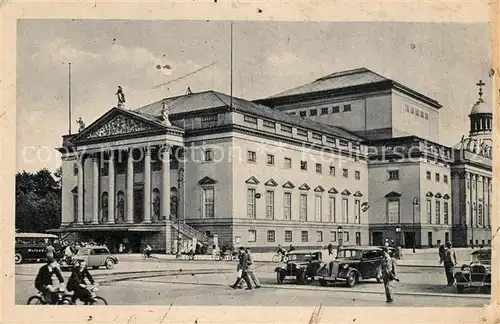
pixel 104 207
pixel 156 206
pixel 120 207
pixel 174 202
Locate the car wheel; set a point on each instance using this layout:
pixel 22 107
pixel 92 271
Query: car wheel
pixel 18 258
pixel 351 279
pixel 379 275
pixel 110 264
pixel 323 282
pixel 280 277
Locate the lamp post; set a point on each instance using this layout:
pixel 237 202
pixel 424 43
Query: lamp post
pixel 398 235
pixel 180 179
pixel 340 234
pixel 414 203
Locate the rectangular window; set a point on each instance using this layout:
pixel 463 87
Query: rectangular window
pixel 345 210
pixel 445 211
pixel 324 111
pixel 208 155
pixel 426 116
pixel 330 140
pixel 347 107
pixel 286 129
pixel 304 236
pixel 270 159
pixel 393 211
pixel 287 206
pixel 208 202
pixel 287 163
pixel 346 236
pixel 319 236
pixel 318 217
pixel 429 211
pixel 301 132
pixel 412 110
pixel 316 136
pixel 252 236
pixel 345 173
pixel 303 113
pixel 335 109
pixel 271 236
pixel 445 178
pixel 332 170
pixel 251 156
pixel 357 211
pixel 438 212
pixel 250 120
pixel 251 212
pixel 269 204
pixel 407 108
pixel 357 175
pixel 394 175
pixel 429 176
pixel 334 236
pixel 437 177
pixel 313 112
pixel 421 114
pixel 303 165
pixel 331 209
pixel 319 168
pixel 303 208
pixel 288 236
pixel 268 124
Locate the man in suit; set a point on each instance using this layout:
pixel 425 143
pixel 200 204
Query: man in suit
pixel 242 270
pixel 77 283
pixel 43 280
pixel 251 269
pixel 388 274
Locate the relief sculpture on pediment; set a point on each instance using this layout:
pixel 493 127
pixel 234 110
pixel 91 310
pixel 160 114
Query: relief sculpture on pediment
pixel 119 125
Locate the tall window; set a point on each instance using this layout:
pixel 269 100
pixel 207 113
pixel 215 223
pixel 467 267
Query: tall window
pixel 345 173
pixel 208 202
pixel 345 210
pixel 271 236
pixel 318 209
pixel 357 211
pixel 270 204
pixel 429 211
pixel 480 214
pixel 208 155
pixel 334 236
pixel 287 206
pixel 251 156
pixel 393 210
pixel 270 159
pixel 437 177
pixel 303 165
pixel 332 170
pixel 303 207
pixel 331 209
pixel 428 175
pixel 251 212
pixel 304 236
pixel 438 212
pixel 445 211
pixel 357 175
pixel 75 206
pixel 288 236
pixel 319 168
pixel 252 235
pixel 319 235
pixel 287 163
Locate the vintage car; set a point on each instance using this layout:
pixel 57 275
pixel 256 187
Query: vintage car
pixel 352 265
pixel 477 274
pixel 301 267
pixel 31 246
pixel 96 256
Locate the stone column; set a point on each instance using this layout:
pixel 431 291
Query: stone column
pixel 81 162
pixel 165 175
pixel 95 191
pixel 111 190
pixel 147 185
pixel 130 187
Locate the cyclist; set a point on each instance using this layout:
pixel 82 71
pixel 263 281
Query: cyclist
pixel 43 280
pixel 77 283
pixel 147 250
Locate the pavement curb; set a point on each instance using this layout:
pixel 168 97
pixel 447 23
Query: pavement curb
pixel 164 273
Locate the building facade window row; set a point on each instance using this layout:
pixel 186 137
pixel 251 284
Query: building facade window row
pixel 313 112
pixel 305 236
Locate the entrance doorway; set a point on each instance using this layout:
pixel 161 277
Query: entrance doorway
pixel 138 205
pixel 358 238
pixel 409 240
pixel 429 238
pixel 377 239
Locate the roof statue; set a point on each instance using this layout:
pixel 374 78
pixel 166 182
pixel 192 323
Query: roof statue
pixel 188 91
pixel 81 124
pixel 164 114
pixel 121 97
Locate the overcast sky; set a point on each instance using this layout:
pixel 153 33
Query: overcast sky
pixel 445 62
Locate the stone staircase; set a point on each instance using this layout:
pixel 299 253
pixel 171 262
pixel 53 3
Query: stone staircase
pixel 188 230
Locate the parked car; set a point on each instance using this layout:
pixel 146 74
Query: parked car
pixel 476 274
pixel 95 256
pixel 352 265
pixel 31 246
pixel 301 267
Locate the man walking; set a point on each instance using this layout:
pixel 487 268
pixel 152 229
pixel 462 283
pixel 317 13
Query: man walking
pixel 242 270
pixel 251 270
pixel 450 260
pixel 330 249
pixel 388 274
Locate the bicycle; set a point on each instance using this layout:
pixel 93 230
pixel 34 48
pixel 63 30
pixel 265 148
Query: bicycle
pixel 145 256
pixel 63 298
pixel 279 258
pixel 94 299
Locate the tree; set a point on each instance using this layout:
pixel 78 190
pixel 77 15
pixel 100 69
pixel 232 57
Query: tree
pixel 38 201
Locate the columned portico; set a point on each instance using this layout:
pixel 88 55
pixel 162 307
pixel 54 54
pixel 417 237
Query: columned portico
pixel 130 187
pixel 95 191
pixel 165 169
pixel 147 185
pixel 111 190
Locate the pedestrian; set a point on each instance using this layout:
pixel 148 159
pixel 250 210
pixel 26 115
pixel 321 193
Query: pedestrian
pixel 441 253
pixel 242 270
pixel 450 260
pixel 388 274
pixel 330 249
pixel 49 251
pixel 291 248
pixel 251 269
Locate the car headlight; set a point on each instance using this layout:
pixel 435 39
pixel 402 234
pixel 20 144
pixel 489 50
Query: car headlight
pixel 345 266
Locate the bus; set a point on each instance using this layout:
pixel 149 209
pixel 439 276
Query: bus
pixel 31 246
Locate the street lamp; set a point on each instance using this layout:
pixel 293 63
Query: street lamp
pixel 340 234
pixel 398 235
pixel 414 203
pixel 180 179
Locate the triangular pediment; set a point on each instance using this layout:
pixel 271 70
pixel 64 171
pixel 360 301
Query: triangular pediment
pixel 319 189
pixel 288 185
pixel 271 183
pixel 304 187
pixel 393 194
pixel 438 195
pixel 252 180
pixel 346 192
pixel 206 181
pixel 358 194
pixel 429 194
pixel 118 122
pixel 333 191
pixel 446 196
pixel 74 190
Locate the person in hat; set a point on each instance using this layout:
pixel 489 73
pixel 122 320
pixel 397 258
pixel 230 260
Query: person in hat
pixel 43 280
pixel 76 282
pixel 388 274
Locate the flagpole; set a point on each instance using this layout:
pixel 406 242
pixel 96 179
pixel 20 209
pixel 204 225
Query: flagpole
pixel 69 97
pixel 231 68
